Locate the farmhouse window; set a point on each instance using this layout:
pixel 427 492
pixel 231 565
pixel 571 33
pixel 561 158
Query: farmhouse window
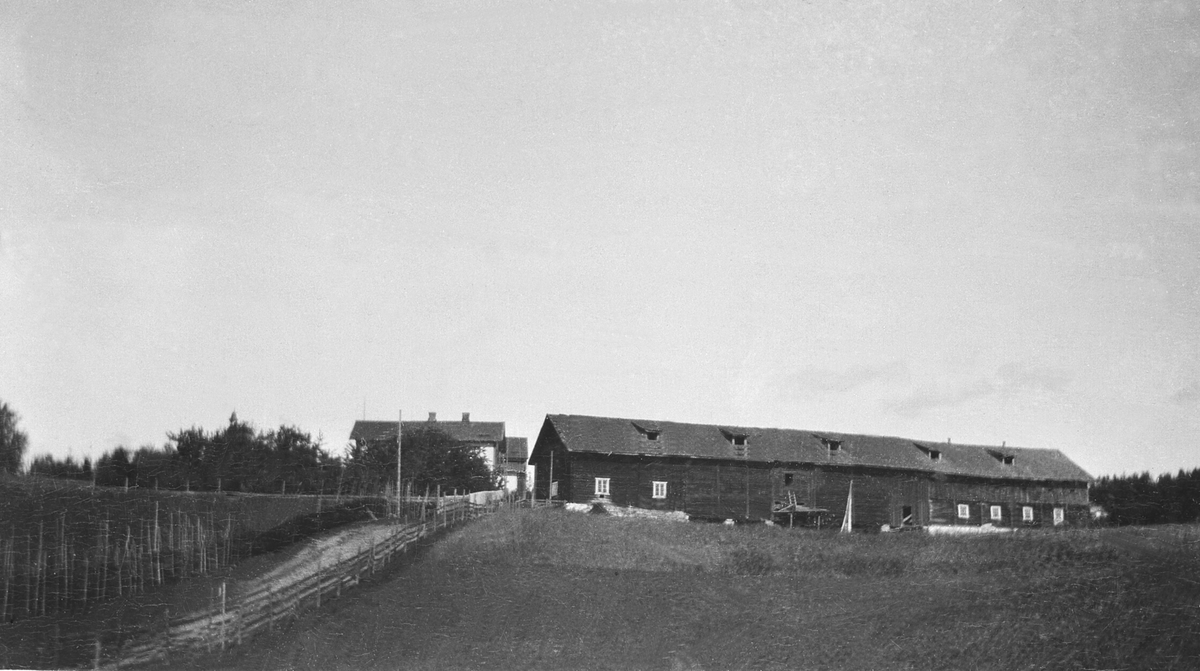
pixel 651 435
pixel 1058 515
pixel 964 511
pixel 601 486
pixel 788 477
pixel 659 490
pixel 997 514
pixel 1026 513
pixel 934 455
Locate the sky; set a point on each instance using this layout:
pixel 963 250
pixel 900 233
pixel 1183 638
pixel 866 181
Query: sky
pixel 967 221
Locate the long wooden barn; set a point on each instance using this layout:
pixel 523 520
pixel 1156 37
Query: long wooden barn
pixel 756 474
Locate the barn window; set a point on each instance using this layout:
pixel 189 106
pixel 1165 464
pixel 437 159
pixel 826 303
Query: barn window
pixel 788 477
pixel 1026 513
pixel 997 513
pixel 1002 457
pixel 601 486
pixel 650 431
pixel 935 455
pixel 1058 516
pixel 964 511
pixel 739 441
pixel 659 490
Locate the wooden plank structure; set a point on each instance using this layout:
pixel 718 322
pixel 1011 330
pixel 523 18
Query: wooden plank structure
pixel 258 605
pixel 754 474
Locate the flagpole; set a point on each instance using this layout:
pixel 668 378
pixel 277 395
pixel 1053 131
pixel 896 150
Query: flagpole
pixel 399 430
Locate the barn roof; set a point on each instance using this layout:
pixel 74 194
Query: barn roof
pixel 610 435
pixel 465 432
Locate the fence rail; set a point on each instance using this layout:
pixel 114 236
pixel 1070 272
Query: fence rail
pixel 339 562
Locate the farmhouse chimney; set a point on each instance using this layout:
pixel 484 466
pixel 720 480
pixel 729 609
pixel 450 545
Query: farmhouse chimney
pixel 466 417
pixel 433 416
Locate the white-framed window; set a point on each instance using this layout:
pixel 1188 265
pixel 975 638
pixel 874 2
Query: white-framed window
pixel 601 486
pixel 1058 516
pixel 964 511
pixel 659 490
pixel 1026 513
pixel 996 513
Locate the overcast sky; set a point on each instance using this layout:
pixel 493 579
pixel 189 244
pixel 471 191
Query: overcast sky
pixel 978 222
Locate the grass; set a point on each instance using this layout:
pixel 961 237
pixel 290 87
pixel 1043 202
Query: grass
pixel 549 589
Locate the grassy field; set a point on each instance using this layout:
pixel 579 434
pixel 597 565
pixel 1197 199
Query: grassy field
pixel 549 589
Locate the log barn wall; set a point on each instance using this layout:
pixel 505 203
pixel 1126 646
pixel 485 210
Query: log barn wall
pixel 732 484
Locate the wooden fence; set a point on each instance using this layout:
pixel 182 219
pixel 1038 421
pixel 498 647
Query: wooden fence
pixel 338 563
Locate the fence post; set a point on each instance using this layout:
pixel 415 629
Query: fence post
pixel 223 621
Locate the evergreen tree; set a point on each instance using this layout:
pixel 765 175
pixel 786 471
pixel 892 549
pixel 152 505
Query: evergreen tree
pixel 13 441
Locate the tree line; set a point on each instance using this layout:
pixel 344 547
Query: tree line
pixel 239 458
pixel 1142 499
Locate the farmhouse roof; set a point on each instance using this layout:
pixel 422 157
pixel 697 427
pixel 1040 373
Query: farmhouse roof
pixel 517 449
pixel 608 435
pixel 463 432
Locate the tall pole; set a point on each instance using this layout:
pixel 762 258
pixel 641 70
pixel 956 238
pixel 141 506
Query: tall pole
pixel 400 429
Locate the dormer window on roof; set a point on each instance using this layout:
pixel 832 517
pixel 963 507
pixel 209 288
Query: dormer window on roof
pixel 1002 457
pixel 830 444
pixel 650 431
pixel 649 437
pixel 739 441
pixel 934 455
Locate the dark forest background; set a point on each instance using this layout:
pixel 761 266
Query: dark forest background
pixel 1142 499
pixel 239 458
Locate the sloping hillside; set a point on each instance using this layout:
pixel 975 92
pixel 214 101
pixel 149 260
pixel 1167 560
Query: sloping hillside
pixel 554 590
